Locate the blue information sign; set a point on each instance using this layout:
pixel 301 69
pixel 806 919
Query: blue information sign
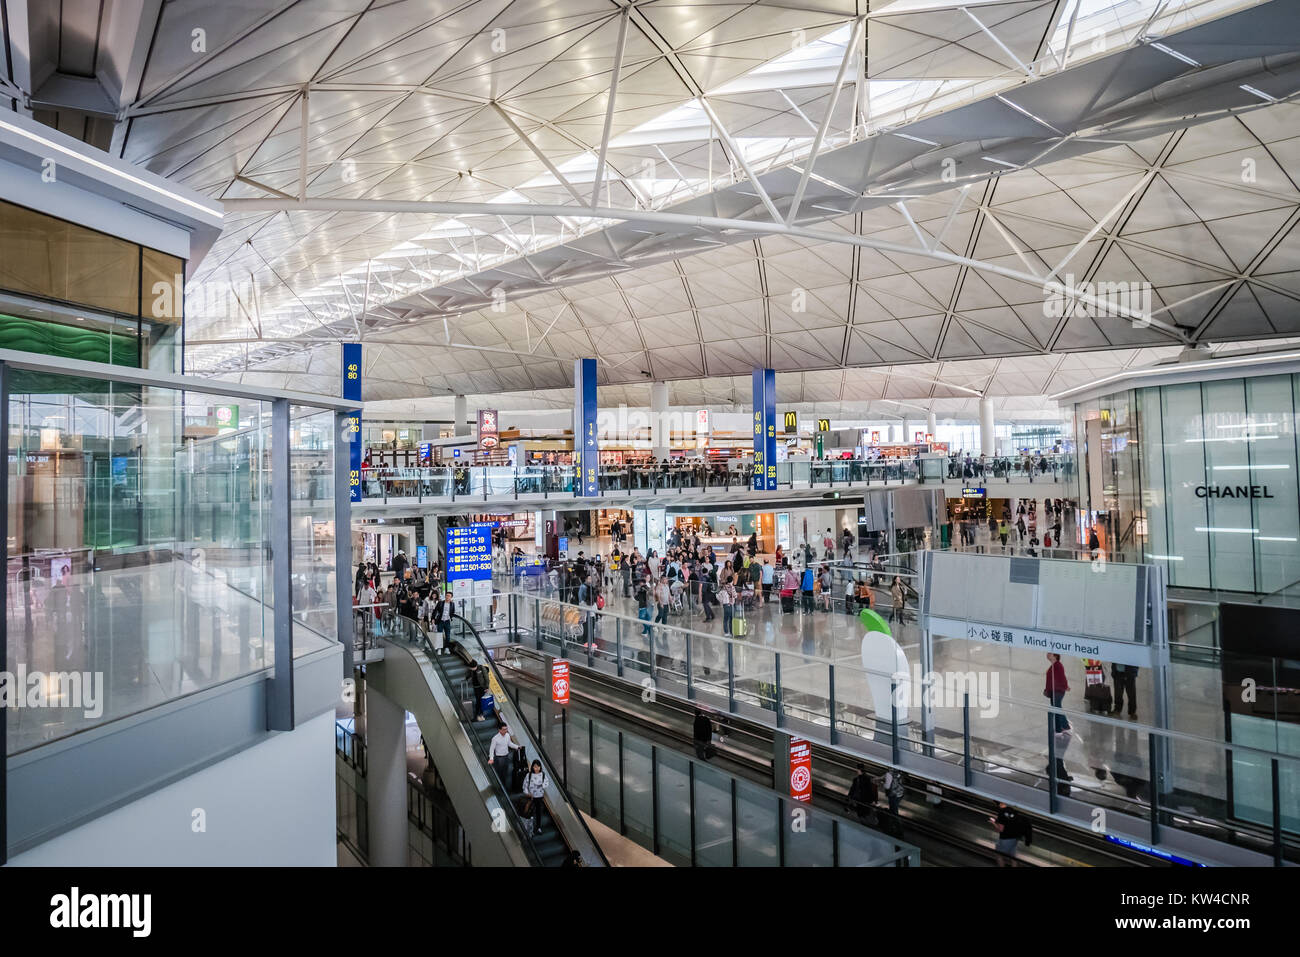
pixel 586 442
pixel 351 369
pixel 421 556
pixel 469 552
pixel 769 424
pixel 764 472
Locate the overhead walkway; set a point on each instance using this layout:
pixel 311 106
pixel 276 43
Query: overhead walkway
pixel 470 487
pixel 432 686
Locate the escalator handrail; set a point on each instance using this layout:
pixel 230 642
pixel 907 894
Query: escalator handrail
pixel 525 838
pixel 547 764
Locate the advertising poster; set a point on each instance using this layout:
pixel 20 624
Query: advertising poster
pixel 489 434
pixel 800 770
pixel 560 682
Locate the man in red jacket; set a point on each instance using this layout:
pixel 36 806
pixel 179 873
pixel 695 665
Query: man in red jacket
pixel 1056 688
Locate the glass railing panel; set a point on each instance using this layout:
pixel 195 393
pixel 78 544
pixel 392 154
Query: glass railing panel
pixel 638 798
pixel 311 465
pixel 137 558
pixel 811 844
pixel 713 847
pixel 673 800
pixel 577 775
pixel 758 820
pixel 606 753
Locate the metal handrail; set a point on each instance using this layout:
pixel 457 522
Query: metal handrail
pixel 845 665
pixel 525 838
pixel 547 763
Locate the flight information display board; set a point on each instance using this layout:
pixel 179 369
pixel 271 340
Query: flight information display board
pixel 469 552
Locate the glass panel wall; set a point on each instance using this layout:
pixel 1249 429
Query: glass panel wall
pixel 139 549
pixel 311 464
pixel 1200 478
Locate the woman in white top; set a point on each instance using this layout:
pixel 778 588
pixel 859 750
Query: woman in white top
pixel 535 788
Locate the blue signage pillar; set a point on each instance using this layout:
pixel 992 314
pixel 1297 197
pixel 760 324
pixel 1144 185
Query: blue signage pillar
pixel 586 445
pixel 351 366
pixel 764 473
pixel 770 428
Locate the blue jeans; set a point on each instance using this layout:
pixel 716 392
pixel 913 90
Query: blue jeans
pixel 644 615
pixel 726 618
pixel 1059 720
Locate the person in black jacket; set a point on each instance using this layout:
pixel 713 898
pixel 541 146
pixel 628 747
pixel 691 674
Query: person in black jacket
pixel 479 679
pixel 703 736
pixel 863 795
pixel 1011 827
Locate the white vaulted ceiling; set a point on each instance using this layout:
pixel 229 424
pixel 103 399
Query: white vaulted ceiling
pixel 1078 128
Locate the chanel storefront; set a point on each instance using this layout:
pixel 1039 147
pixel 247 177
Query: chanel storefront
pixel 1193 467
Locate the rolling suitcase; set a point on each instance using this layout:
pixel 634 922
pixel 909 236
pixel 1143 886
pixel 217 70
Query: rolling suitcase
pixel 519 769
pixel 787 603
pixel 739 627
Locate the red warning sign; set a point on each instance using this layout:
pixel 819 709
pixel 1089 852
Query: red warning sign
pixel 560 682
pixel 800 770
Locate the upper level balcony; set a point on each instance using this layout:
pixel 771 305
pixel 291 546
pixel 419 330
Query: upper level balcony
pixel 687 483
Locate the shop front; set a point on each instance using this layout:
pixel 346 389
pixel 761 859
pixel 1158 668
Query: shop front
pixel 1198 477
pixel 1193 469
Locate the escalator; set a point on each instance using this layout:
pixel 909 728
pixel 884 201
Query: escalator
pixel 434 687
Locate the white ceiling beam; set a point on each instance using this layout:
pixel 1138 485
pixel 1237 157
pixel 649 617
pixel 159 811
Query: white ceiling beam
pixel 736 151
pixel 537 151
pixel 667 218
pixel 1100 224
pixel 1001 46
pixel 599 181
pixel 304 128
pixel 850 49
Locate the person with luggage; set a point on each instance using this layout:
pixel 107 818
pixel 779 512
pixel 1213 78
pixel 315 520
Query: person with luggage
pixel 863 795
pixel 443 613
pixel 479 681
pixel 727 596
pixel 789 584
pixel 643 608
pixel 499 749
pixel 808 588
pixel 703 735
pixel 767 576
pixel 534 788
pixel 1096 692
pixel 895 788
pixel 1011 827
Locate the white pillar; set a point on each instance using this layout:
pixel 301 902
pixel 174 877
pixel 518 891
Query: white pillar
pixel 660 439
pixel 931 424
pixel 385 780
pixel 986 427
pixel 460 417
